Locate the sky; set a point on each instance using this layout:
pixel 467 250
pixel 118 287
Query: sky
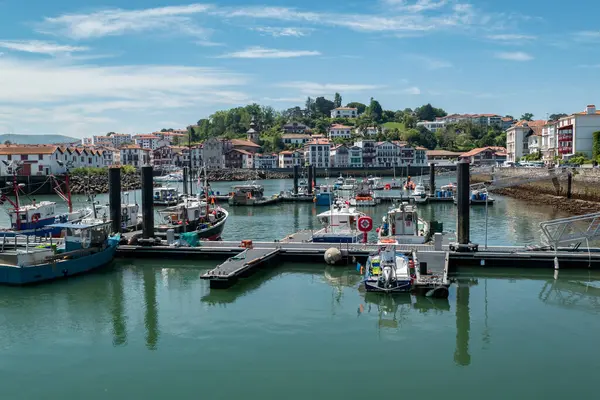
pixel 84 68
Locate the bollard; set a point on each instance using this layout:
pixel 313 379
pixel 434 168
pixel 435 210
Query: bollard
pixel 432 179
pixel 569 184
pixel 114 198
pixel 170 236
pixel 296 167
pixel 147 203
pixel 185 180
pixel 438 240
pixel 310 179
pixel 463 193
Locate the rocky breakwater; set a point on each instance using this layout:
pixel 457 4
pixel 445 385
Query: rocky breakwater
pixel 225 175
pixel 585 188
pixel 98 183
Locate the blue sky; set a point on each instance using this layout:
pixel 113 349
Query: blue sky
pixel 137 66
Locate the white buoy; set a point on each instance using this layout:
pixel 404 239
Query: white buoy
pixel 333 255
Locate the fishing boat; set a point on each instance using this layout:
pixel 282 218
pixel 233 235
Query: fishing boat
pixel 419 194
pixel 375 183
pixel 324 196
pixel 339 225
pixel 339 182
pixel 165 196
pixel 387 271
pixel 250 195
pixel 194 216
pixel 36 218
pixel 86 247
pixel 364 196
pixel 131 219
pixel 349 184
pixel 403 225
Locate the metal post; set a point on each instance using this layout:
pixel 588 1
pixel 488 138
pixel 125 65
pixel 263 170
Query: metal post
pixel 310 179
pixel 185 180
pixel 432 179
pixel 147 203
pixel 463 192
pixel 114 198
pixel 569 183
pixel 486 218
pixel 296 167
pixel 314 176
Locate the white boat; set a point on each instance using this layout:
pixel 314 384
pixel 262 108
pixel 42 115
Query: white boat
pixel 131 218
pixel 165 196
pixel 349 184
pixel 419 194
pixel 402 225
pixel 339 225
pixel 388 271
pixel 478 198
pixel 338 182
pixel 375 183
pixel 173 177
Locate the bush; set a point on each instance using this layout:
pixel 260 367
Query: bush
pixel 128 169
pixel 596 145
pixel 88 171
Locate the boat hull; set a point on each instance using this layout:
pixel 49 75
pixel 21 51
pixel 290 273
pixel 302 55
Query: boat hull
pixel 337 237
pixel 11 275
pixel 400 286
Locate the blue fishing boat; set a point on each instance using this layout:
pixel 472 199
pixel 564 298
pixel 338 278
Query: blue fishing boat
pixel 86 247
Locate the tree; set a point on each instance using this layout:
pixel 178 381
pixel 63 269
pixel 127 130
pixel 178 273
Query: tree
pixel 7 142
pixel 388 116
pixel 310 107
pixel 375 111
pixel 426 138
pixel 110 133
pixel 556 117
pixel 509 116
pixel 294 113
pixel 596 145
pixel 323 106
pixel 337 100
pixel 527 117
pixel 410 121
pixel 360 107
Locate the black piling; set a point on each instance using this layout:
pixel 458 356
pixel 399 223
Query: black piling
pixel 310 179
pixel 463 193
pixel 185 180
pixel 114 198
pixel 432 179
pixel 296 167
pixel 314 176
pixel 569 184
pixel 147 203
pixel 463 325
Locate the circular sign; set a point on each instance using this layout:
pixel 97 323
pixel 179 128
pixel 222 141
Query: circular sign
pixel 365 224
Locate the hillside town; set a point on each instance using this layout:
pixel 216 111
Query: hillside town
pixel 343 146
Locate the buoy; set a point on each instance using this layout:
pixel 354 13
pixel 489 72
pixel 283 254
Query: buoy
pixel 333 255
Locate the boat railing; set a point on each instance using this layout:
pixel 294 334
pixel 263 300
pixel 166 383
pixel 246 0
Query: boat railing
pixel 19 241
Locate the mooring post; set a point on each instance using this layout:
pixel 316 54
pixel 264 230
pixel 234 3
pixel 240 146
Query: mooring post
pixel 310 179
pixel 296 167
pixel 147 203
pixel 432 179
pixel 114 198
pixel 463 192
pixel 463 325
pixel 185 180
pixel 569 183
pixel 314 176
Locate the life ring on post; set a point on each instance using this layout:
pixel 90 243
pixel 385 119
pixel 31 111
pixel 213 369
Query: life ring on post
pixel 365 224
pixel 35 218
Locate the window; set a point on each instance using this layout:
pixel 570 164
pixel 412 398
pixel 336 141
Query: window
pixel 24 156
pixel 9 157
pixel 40 168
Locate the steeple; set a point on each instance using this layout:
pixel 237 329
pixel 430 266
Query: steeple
pixel 252 133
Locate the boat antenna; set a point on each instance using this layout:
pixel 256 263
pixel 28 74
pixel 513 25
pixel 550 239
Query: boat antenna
pixel 190 158
pixel 206 189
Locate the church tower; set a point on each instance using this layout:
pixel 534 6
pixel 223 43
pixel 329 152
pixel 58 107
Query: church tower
pixel 252 133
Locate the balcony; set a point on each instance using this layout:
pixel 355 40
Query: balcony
pixel 565 150
pixel 567 137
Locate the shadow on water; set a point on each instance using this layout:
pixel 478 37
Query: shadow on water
pixel 119 325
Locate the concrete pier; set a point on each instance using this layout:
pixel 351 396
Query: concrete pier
pixel 114 198
pixel 147 203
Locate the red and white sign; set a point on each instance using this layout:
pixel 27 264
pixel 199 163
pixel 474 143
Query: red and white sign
pixel 365 224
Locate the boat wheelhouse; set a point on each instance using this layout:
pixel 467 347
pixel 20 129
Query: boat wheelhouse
pixel 247 194
pixel 339 225
pixel 403 225
pixel 165 196
pixel 419 194
pixel 193 216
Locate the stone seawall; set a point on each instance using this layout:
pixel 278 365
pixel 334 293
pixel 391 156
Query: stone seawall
pixel 585 188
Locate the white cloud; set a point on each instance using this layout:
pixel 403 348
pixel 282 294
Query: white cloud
pixel 285 99
pixel 39 46
pixel 587 36
pixel 431 63
pixel 313 88
pixel 281 32
pixel 411 90
pixel 418 6
pixel 261 52
pixel 511 37
pixel 119 21
pixel 514 56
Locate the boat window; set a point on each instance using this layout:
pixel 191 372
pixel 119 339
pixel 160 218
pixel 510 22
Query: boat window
pixel 196 214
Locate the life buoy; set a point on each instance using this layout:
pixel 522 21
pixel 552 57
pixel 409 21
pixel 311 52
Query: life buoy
pixel 365 224
pixel 35 218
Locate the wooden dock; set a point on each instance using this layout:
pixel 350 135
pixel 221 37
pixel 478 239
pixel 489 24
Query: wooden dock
pixel 227 273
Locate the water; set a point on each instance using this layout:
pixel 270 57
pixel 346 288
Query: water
pixel 153 329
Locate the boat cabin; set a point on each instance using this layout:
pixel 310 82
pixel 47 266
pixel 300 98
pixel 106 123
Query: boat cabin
pixel 248 191
pixel 33 215
pixel 401 221
pixel 340 217
pixel 188 211
pixel 84 236
pixel 165 194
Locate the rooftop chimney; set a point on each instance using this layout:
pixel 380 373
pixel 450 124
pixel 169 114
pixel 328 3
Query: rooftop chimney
pixel 590 109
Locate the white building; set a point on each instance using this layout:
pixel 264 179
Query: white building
pixel 316 152
pixel 289 158
pixel 344 112
pixel 534 142
pixel 420 157
pixel 339 131
pixel 295 139
pixel 575 132
pixel 549 140
pixel 212 153
pixel 369 152
pixel 132 154
pixel 355 157
pixel 517 138
pixel 151 142
pixel 339 156
pixel 368 131
pixel 265 161
pixel 387 154
pixel 432 126
pixel 47 160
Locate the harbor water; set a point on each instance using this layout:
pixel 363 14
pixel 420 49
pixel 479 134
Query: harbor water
pixel 152 329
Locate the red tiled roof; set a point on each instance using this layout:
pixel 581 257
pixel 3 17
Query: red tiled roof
pixel 346 108
pixel 474 152
pixel 27 149
pixel 340 126
pixel 241 142
pixel 434 153
pixel 319 141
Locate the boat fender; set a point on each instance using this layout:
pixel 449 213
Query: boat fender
pixel 411 264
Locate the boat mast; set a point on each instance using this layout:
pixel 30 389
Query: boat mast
pixel 190 159
pixel 206 189
pixel 16 205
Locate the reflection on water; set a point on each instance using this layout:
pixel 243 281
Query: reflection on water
pixel 119 325
pixel 151 315
pixel 463 325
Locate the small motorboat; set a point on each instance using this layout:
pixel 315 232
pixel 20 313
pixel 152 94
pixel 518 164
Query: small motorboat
pixel 478 198
pixel 388 271
pixel 165 196
pixel 419 194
